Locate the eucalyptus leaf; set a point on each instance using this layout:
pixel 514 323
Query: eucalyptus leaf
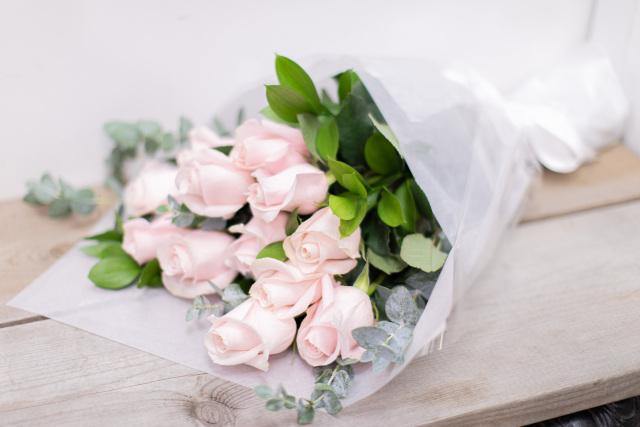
pixel 263 391
pixel 420 252
pixel 401 308
pixel 306 412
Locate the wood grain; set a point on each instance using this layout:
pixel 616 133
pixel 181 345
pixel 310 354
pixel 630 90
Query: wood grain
pixel 550 328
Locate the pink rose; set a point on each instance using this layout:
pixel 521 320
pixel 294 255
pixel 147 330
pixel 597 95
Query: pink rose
pixel 150 188
pixel 256 234
pixel 192 259
pixel 283 289
pixel 248 335
pixel 142 238
pixel 325 333
pixel 301 187
pixel 268 146
pixel 210 185
pixel 203 137
pixel 316 245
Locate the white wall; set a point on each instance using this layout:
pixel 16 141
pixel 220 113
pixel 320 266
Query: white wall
pixel 66 66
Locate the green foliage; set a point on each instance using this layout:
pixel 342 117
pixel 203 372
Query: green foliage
pixel 286 103
pixel 230 297
pixel 381 156
pixel 327 138
pixel 387 341
pixel 349 178
pixel 354 124
pixel 115 272
pixel 292 76
pixel 332 383
pixel 420 252
pixel 181 216
pixel 151 275
pixel 389 209
pixel 60 197
pixel 389 263
pixel 273 250
pixel 292 223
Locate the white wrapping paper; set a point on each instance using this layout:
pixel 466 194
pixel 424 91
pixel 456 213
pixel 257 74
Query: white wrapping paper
pixel 469 155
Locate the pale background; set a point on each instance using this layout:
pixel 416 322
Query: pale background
pixel 67 66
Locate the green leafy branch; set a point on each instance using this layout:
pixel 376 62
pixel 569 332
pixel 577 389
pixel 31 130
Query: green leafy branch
pixel 61 198
pixel 332 383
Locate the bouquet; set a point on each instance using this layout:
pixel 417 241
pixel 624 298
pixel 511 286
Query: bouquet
pixel 302 229
pixel 320 244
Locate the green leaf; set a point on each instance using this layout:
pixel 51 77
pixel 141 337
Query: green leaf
pixel 346 81
pixel 327 139
pixel 149 129
pixel 362 282
pixel 422 203
pixel 83 201
pixel 59 208
pixel 114 272
pixel 184 126
pixel 273 250
pixel 401 308
pixel 309 125
pixel 292 223
pixel 354 124
pixel 109 235
pixel 389 209
pixel 420 252
pixel 389 264
pixel 263 391
pixel 331 403
pixel 292 75
pixel 151 275
pixel 104 249
pixel 126 135
pixel 385 130
pixel 274 404
pixel 345 206
pixel 348 226
pixel 328 103
pixel 306 412
pixel 405 197
pixel 349 178
pixel 268 113
pixel 45 191
pixel 287 103
pixel 381 156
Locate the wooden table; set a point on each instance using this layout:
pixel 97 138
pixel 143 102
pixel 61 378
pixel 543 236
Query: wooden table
pixel 551 328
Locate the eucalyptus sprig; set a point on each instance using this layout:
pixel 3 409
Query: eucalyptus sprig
pixel 61 198
pixel 181 216
pixel 230 297
pixel 332 383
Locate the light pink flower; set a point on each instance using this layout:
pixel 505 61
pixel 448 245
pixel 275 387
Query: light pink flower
pixel 142 238
pixel 316 245
pixel 150 188
pixel 192 259
pixel 248 335
pixel 301 187
pixel 256 234
pixel 203 137
pixel 268 146
pixel 282 288
pixel 325 333
pixel 210 185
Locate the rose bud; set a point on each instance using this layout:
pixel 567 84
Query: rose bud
pixel 142 238
pixel 256 234
pixel 284 289
pixel 150 188
pixel 316 245
pixel 248 335
pixel 211 185
pixel 325 333
pixel 191 260
pixel 302 187
pixel 268 146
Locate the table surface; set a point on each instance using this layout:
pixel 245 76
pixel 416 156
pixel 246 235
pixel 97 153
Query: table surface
pixel 550 328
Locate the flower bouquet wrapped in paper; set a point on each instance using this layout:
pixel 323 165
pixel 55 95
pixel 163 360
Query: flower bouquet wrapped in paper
pixel 317 247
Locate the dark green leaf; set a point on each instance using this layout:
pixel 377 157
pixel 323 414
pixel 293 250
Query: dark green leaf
pixel 151 275
pixel 309 125
pixel 114 272
pixel 405 197
pixel 306 412
pixel 354 125
pixel 387 263
pixel 385 130
pixel 381 156
pixel 109 235
pixel 346 81
pixel 292 223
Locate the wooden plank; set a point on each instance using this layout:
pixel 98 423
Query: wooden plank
pixel 614 177
pixel 550 328
pixel 31 242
